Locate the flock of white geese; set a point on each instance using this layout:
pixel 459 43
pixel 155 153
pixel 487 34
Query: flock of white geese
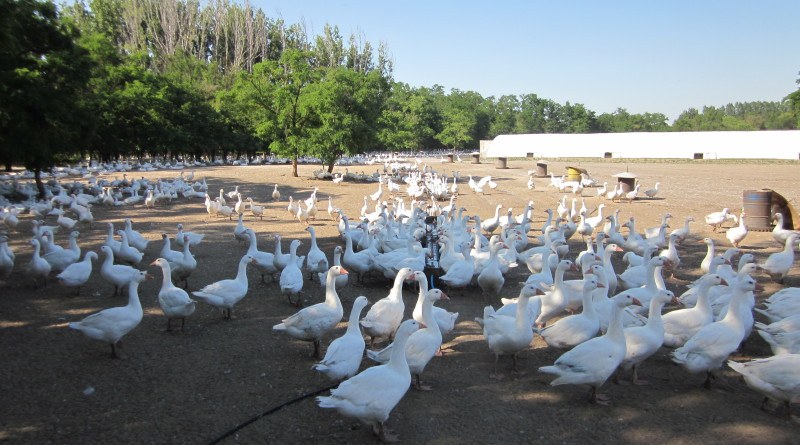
pixel 607 321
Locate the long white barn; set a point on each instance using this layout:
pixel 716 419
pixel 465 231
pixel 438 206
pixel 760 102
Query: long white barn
pixel 666 145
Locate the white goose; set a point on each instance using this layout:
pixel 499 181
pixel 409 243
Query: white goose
pixel 737 234
pixel 38 267
pixel 7 257
pixel 594 360
pixel 128 253
pixel 194 238
pixel 716 219
pixel 684 231
pixel 276 195
pixel 422 346
pixel 61 259
pixel 256 211
pixel 77 274
pixel 174 301
pixel 166 250
pixel 491 279
pixel 509 334
pixel 575 329
pixel 311 323
pixel 641 342
pixel 344 354
pixel 555 301
pixel 682 324
pixel 777 264
pixel 110 325
pixel 446 320
pixel 385 315
pixel 712 344
pixel 291 279
pixel 264 261
pixel 118 275
pixel 359 262
pixel 779 233
pixel 774 377
pixel 460 273
pixel 135 238
pixel 372 394
pixel 226 293
pixel 282 259
pixel 490 225
pixel 240 231
pixel 316 261
pixel 183 267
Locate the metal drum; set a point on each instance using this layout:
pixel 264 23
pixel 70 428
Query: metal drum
pixel 757 205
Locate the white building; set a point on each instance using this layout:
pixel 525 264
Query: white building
pixel 669 145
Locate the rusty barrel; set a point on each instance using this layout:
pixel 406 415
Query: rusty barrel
pixel 757 205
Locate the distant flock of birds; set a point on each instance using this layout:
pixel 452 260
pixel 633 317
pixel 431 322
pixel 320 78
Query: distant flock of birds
pixel 606 321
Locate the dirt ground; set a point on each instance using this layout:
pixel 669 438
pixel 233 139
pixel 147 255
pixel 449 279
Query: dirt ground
pixel 194 386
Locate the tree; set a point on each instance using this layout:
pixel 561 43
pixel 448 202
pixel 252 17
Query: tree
pixel 410 119
pixel 346 105
pixel 272 102
pixel 42 77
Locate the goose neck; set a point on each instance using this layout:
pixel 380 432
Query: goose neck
pixel 331 297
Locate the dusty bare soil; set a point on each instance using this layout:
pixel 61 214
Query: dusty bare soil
pixel 193 386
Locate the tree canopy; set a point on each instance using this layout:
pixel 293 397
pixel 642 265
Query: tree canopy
pixel 189 79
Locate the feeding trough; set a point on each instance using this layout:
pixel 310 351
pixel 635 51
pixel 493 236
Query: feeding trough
pixel 574 173
pixel 626 181
pixel 541 169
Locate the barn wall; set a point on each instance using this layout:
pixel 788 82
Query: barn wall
pixel 669 145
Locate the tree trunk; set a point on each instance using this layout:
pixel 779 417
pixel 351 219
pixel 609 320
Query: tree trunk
pixel 37 174
pixel 8 165
pixel 294 166
pixel 330 166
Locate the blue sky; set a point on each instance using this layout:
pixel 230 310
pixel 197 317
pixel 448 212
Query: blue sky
pixel 643 56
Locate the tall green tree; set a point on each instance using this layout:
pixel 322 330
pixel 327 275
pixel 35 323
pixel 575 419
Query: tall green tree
pixel 42 80
pixel 410 120
pixel 273 102
pixel 346 105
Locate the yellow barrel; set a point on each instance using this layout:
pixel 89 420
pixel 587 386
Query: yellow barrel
pixel 574 173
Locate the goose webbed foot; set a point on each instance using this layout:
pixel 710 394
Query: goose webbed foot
pixel 710 378
pixel 384 434
pixel 599 398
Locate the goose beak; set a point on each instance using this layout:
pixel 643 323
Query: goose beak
pixel 759 287
pixel 444 296
pixel 154 263
pixel 343 271
pixel 637 302
pixel 601 286
pixel 724 282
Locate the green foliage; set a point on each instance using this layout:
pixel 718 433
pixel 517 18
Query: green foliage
pixel 42 77
pixel 184 78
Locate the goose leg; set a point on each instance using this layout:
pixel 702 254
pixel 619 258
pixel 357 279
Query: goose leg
pixel 316 349
pixel 183 322
pixel 636 380
pixel 113 351
pixel 418 386
pixel 169 324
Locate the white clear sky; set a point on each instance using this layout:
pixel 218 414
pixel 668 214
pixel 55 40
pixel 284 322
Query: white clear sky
pixel 644 56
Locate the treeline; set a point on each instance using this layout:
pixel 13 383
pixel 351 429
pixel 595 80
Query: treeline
pixel 184 78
